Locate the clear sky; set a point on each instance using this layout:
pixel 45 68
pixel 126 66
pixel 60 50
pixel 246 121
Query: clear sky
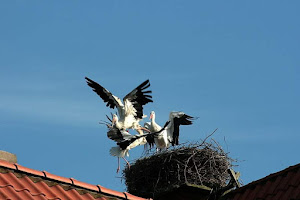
pixel 234 65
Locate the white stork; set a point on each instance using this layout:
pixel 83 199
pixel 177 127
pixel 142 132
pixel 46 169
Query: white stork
pixel 169 136
pixel 131 112
pixel 126 141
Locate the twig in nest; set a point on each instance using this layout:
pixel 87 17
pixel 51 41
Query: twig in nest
pixel 203 163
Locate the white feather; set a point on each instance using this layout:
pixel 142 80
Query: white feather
pixel 118 152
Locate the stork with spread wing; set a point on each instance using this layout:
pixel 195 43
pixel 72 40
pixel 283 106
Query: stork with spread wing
pixel 130 111
pixel 169 136
pixel 126 141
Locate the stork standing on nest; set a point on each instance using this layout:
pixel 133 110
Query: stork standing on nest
pixel 169 136
pixel 131 110
pixel 126 141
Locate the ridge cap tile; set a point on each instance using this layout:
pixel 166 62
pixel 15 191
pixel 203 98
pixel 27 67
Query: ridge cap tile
pixel 29 170
pixel 112 192
pixel 57 178
pixel 6 164
pixel 99 188
pixel 84 185
pixel 132 197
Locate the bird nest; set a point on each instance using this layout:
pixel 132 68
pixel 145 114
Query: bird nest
pixel 203 164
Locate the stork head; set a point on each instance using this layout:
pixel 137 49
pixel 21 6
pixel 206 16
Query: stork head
pixel 114 119
pixel 152 115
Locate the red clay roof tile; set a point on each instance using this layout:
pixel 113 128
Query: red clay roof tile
pixel 132 197
pixel 57 178
pixel 2 195
pixel 7 164
pixel 290 191
pixel 269 197
pixel 282 185
pixel 296 179
pixel 112 192
pixel 272 185
pixel 19 195
pixel 21 183
pixel 28 170
pixel 297 196
pixel 85 185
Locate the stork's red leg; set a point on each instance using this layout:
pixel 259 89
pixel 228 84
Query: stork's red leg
pixel 127 162
pixel 118 169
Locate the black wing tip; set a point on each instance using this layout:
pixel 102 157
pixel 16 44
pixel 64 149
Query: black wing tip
pixel 86 78
pixel 190 117
pixel 186 119
pixel 90 82
pixel 144 85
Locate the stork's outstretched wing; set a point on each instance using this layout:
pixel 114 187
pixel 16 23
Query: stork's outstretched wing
pixel 111 100
pixel 139 97
pixel 117 135
pixel 179 118
pixel 149 136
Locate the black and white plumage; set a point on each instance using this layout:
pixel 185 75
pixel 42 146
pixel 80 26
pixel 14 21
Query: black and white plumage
pixel 119 136
pixel 126 141
pixel 130 111
pixel 169 136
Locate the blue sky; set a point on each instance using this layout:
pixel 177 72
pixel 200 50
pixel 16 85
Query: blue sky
pixel 234 65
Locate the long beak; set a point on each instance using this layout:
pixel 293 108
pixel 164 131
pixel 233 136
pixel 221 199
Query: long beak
pixel 142 128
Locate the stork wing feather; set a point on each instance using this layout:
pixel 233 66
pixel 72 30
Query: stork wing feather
pixel 111 100
pixel 179 118
pixel 149 137
pixel 139 97
pixel 117 135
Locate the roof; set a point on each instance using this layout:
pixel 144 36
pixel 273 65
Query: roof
pixel 21 183
pixel 186 191
pixel 282 185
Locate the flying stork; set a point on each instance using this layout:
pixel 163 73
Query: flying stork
pixel 130 111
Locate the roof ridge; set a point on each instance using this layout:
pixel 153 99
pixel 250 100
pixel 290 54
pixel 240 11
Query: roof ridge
pixel 70 181
pixel 268 177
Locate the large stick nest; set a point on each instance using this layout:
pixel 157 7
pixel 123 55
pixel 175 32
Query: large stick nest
pixel 196 164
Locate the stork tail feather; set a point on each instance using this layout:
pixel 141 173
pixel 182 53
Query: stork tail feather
pixel 116 151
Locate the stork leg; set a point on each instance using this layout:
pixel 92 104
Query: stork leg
pixel 128 164
pixel 118 169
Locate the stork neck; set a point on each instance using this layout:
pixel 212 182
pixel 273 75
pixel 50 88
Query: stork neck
pixel 118 124
pixel 153 119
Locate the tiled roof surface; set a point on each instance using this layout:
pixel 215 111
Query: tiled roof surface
pixel 283 185
pixel 22 183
